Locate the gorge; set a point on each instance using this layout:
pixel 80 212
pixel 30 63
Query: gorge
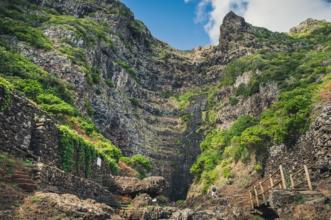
pixel 96 114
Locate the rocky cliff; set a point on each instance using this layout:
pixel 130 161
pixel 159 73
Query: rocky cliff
pixel 86 88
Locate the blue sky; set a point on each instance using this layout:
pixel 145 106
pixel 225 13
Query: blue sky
pixel 172 21
pixel 186 24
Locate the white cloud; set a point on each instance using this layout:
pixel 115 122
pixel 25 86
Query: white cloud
pixel 276 15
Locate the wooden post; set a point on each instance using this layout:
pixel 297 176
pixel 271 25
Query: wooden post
pixel 292 181
pixel 308 178
pixel 256 197
pixel 251 199
pixel 263 196
pixel 271 181
pixel 282 176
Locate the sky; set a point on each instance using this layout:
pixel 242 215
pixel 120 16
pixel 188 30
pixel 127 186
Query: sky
pixel 186 24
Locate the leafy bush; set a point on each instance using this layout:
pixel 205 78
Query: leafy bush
pixel 206 161
pixel 233 101
pixel 5 94
pixel 16 67
pixel 139 162
pixel 85 28
pixel 134 101
pixel 24 32
pixel 227 172
pixel 127 67
pixel 184 99
pixel 89 108
pixel 71 143
pixel 55 105
pixel 110 83
pixel 31 88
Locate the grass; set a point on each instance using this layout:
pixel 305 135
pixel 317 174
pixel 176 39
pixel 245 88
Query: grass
pixel 36 199
pixel 139 162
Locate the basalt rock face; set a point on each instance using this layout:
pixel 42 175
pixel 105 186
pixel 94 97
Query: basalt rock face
pixel 231 30
pixel 136 78
pixel 135 111
pixel 312 149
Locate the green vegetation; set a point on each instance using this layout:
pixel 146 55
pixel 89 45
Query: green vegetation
pixel 219 143
pixel 110 83
pixel 35 199
pixel 25 27
pixel 139 162
pixel 77 153
pixel 89 108
pixel 80 141
pixel 134 101
pixel 30 78
pixel 233 101
pixel 256 218
pixel 184 99
pixel 297 73
pixel 5 94
pixel 55 105
pixel 127 67
pixel 85 28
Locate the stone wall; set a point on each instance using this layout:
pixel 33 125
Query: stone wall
pixel 312 149
pixel 29 133
pixel 55 180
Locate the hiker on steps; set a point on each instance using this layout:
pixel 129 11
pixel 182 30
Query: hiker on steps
pixel 214 193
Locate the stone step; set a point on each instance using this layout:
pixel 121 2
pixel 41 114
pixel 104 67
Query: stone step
pixel 20 176
pixel 28 187
pixel 23 180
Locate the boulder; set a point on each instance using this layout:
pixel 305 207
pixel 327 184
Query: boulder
pixel 153 186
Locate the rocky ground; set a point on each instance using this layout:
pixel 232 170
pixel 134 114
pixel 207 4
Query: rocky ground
pixel 138 95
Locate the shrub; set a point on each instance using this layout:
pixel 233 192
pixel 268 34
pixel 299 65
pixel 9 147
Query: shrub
pixel 55 105
pixel 233 101
pixel 89 108
pixel 24 32
pixel 127 67
pixel 5 94
pixel 206 161
pixel 227 172
pixel 31 88
pixel 109 83
pixel 139 162
pixel 85 28
pixel 134 101
pixel 71 143
pixel 18 69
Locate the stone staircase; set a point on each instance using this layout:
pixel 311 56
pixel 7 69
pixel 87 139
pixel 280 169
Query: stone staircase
pixel 24 181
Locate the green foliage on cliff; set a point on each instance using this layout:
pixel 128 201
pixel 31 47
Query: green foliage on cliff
pixel 55 105
pixel 5 94
pixel 86 28
pixel 139 162
pixel 297 73
pixel 30 78
pixel 76 153
pixel 215 143
pixel 283 122
pixel 127 67
pixel 26 27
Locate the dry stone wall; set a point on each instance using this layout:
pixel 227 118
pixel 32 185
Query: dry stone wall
pixel 55 180
pixel 29 133
pixel 313 149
